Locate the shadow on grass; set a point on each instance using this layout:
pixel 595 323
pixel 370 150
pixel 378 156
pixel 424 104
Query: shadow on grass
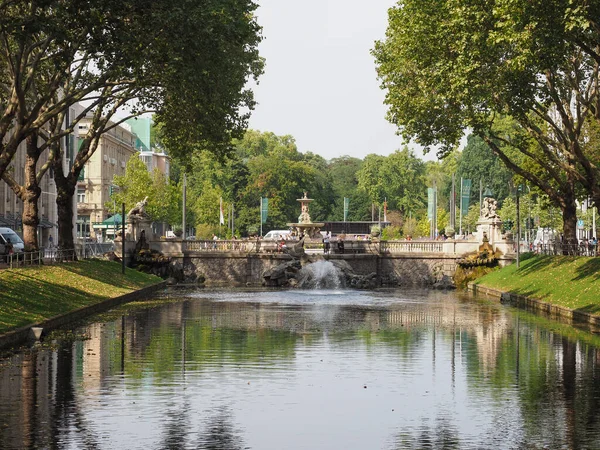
pixel 26 300
pixel 592 308
pixel 98 270
pixel 540 263
pixel 589 269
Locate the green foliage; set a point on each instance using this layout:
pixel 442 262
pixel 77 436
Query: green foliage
pixel 399 178
pixel 423 227
pixel 344 179
pixel 478 163
pixel 188 61
pixel 469 223
pixel 465 275
pixel 164 198
pixel 392 232
pixel 518 74
pixel 263 165
pixel 410 227
pixel 206 231
pixel 443 219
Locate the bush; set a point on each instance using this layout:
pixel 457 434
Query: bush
pixel 464 275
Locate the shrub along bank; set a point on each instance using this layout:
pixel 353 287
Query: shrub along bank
pixel 33 294
pixel 570 282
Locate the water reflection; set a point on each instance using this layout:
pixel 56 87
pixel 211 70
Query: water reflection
pixel 272 370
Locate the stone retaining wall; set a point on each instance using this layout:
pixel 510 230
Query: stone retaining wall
pixel 546 308
pixel 239 269
pixel 23 334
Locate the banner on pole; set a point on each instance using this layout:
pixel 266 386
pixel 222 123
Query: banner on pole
pixel 465 198
pixel 221 216
pixel 385 210
pixel 264 209
pixel 430 203
pixel 346 204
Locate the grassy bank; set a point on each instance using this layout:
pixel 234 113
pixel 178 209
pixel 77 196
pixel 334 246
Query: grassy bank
pixel 33 294
pixel 561 280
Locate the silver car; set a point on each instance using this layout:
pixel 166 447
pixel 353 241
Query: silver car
pixel 8 235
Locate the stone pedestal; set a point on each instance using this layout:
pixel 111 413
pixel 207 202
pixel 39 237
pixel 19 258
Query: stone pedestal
pixel 135 227
pixel 310 230
pixel 492 227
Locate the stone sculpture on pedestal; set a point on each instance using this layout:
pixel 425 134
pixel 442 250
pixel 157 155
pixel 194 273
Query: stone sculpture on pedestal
pixel 489 227
pixel 138 221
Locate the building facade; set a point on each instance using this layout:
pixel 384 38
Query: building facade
pixel 11 207
pixel 94 203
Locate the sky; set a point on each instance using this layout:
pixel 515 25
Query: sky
pixel 320 85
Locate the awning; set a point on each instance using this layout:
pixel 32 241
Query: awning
pixel 45 223
pixel 113 220
pixel 11 222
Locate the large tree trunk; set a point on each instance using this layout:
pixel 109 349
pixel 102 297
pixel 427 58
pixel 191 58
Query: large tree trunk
pixel 64 202
pixel 569 213
pixel 30 195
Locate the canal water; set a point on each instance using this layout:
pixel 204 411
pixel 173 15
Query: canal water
pixel 312 369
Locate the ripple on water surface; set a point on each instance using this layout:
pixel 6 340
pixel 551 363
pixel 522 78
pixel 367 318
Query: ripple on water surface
pixel 318 369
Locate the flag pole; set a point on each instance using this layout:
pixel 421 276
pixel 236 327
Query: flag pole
pixel 183 225
pixel 260 215
pixel 460 207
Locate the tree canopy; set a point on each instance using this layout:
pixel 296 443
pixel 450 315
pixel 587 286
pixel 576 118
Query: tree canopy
pixel 449 66
pixel 189 61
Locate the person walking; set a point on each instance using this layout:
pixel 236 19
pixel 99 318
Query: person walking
pixel 340 244
pixel 327 243
pixel 8 249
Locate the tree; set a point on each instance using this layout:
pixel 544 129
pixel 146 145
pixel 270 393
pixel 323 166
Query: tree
pixel 472 217
pixel 370 180
pixel 344 179
pixel 449 66
pixel 478 163
pixel 403 175
pixel 49 60
pixel 164 199
pixel 278 171
pixel 398 178
pixel 160 56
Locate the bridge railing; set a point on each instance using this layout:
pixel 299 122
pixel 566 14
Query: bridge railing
pixel 412 246
pixel 238 245
pixel 351 246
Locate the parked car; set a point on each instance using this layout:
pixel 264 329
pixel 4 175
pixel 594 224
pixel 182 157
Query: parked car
pixel 277 235
pixel 8 235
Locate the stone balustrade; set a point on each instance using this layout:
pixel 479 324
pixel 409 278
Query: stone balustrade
pixel 243 261
pixel 351 246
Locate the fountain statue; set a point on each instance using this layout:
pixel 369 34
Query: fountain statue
pixel 489 222
pixel 305 227
pixel 139 222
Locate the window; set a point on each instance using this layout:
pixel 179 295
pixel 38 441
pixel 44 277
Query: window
pixel 80 195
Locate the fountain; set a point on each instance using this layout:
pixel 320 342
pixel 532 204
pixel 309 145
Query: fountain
pixel 305 227
pixel 312 271
pixel 320 275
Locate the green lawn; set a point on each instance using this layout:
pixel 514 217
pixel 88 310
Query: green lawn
pixel 33 294
pixel 572 282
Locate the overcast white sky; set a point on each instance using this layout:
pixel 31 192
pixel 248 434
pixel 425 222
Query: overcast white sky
pixel 320 84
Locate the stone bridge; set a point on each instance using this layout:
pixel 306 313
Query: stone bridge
pixel 242 262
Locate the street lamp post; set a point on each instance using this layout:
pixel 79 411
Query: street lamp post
pixel 519 188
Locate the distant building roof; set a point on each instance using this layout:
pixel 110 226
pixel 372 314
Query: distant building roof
pixel 141 128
